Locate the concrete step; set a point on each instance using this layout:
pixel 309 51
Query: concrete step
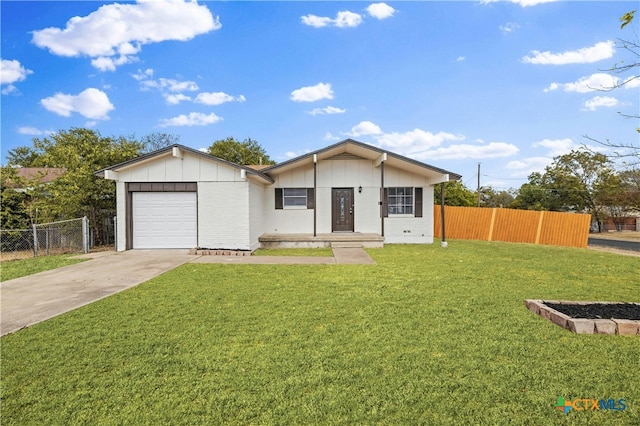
pixel 346 244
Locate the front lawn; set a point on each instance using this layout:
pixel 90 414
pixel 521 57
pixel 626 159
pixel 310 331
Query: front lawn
pixel 11 269
pixel 426 336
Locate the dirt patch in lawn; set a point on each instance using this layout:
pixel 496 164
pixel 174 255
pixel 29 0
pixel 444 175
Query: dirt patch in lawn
pixel 590 317
pixel 629 311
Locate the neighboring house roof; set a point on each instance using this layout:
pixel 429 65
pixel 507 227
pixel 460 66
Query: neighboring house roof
pixel 348 147
pixel 37 174
pixel 362 150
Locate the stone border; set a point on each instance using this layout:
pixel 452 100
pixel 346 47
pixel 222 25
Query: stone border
pixel 219 252
pixel 583 325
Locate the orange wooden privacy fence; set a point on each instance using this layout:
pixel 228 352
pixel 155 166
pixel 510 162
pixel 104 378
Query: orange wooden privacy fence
pixel 521 226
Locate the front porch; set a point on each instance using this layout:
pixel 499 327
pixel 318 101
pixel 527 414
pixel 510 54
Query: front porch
pixel 339 239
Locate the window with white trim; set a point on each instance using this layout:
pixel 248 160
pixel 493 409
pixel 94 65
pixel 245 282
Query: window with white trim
pixel 400 200
pixel 294 197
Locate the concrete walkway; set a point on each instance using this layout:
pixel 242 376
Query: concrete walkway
pixel 35 298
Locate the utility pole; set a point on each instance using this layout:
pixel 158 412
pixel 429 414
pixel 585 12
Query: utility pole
pixel 478 184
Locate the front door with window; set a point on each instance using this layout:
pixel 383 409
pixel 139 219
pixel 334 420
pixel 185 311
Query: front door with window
pixel 342 210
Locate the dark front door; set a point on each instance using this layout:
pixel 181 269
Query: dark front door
pixel 342 210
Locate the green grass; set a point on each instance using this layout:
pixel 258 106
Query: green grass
pixel 426 336
pixel 321 252
pixel 23 267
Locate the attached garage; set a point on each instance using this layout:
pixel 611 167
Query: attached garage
pixel 164 220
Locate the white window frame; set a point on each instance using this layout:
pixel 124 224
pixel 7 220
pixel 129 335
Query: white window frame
pixel 294 199
pixel 403 204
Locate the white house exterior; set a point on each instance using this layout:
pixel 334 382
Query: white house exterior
pixel 178 197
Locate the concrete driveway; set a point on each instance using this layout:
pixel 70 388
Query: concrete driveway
pixel 35 298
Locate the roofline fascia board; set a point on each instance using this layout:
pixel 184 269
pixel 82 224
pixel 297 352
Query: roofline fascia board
pixel 111 175
pixel 438 179
pixel 381 159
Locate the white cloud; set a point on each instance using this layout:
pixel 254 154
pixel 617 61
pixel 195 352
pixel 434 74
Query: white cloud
pixel 90 103
pixel 416 140
pixel 192 119
pixel 527 3
pixel 526 166
pixel 169 84
pixel 347 19
pixel 115 33
pixel 556 147
pixel 523 3
pixel 380 10
pixel 312 93
pixel 217 98
pixel 9 89
pixel 143 75
pixel 330 137
pixel 632 82
pixel 586 55
pixel 600 101
pixel 423 145
pixel 175 99
pixel 11 71
pixel 33 131
pixel 293 154
pixel 460 59
pixel 316 21
pixel 594 82
pixel 365 128
pixel 509 27
pixel 327 110
pixel 343 19
pixel 464 151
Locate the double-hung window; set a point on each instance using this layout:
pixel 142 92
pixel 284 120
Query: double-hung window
pixel 294 198
pixel 401 200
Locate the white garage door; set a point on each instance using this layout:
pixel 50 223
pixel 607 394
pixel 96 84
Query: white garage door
pixel 164 220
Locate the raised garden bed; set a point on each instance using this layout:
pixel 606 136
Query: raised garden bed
pixel 590 317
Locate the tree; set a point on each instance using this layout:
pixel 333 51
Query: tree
pixel 531 195
pixel 158 140
pixel 78 192
pixel 246 152
pixel 489 197
pixel 579 181
pixel 455 194
pixel 23 156
pixel 14 214
pixel 628 151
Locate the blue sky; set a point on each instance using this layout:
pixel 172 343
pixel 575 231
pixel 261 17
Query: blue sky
pixel 509 84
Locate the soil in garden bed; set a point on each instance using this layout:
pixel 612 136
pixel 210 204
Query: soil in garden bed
pixel 630 311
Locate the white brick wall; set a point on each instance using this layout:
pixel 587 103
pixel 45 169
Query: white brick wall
pixel 223 215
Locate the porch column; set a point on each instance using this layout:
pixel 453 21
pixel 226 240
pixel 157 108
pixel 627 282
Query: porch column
pixel 315 193
pixel 443 241
pixel 382 200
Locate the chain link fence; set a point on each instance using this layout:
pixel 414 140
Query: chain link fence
pixel 66 236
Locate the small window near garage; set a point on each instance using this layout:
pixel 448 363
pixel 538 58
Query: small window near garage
pixel 294 198
pixel 400 200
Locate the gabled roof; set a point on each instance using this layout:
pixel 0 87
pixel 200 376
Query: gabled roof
pixel 170 150
pixel 348 146
pixel 362 150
